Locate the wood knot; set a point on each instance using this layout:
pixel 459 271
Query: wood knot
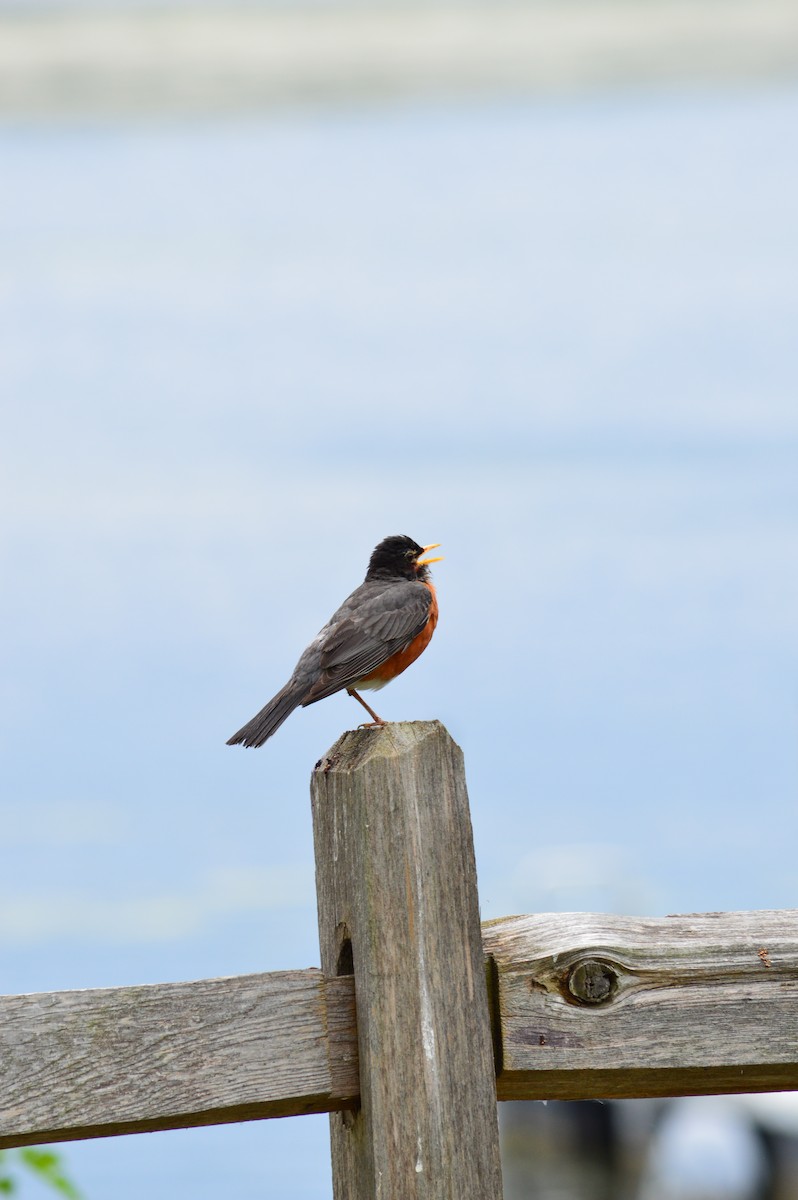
pixel 592 981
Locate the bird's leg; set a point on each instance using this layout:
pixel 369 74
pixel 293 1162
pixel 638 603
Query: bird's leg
pixel 377 720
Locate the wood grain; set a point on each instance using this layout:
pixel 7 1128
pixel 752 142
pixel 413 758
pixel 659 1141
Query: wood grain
pixel 398 905
pixel 126 1060
pixel 607 1006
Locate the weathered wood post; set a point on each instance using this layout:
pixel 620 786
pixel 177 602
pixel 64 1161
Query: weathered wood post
pixel 398 907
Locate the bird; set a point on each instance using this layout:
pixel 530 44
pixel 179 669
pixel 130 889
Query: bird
pixel 378 631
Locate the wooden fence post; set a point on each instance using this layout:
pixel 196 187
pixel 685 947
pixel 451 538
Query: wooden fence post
pixel 398 907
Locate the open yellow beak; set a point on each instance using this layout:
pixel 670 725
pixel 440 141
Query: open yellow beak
pixel 425 562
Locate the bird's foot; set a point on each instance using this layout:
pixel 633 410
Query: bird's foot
pixel 372 725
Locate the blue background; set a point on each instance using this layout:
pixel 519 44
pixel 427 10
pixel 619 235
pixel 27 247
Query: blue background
pixel 557 336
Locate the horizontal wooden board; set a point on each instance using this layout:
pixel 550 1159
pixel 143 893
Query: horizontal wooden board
pixel 607 1006
pixel 126 1060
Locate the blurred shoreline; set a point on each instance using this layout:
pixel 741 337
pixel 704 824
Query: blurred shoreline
pixel 113 61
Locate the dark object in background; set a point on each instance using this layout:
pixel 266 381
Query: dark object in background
pixel 561 1150
pixel 643 1150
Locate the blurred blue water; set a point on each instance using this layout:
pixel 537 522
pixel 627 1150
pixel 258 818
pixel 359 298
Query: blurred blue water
pixel 558 337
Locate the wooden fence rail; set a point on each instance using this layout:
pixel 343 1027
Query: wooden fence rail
pixel 174 1055
pixel 420 1018
pixel 603 1006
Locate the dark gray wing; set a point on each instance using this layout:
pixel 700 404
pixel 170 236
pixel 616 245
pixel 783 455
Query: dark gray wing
pixel 378 620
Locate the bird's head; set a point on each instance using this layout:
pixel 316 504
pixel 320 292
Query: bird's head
pixel 400 557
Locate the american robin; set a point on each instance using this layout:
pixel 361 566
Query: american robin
pixel 375 635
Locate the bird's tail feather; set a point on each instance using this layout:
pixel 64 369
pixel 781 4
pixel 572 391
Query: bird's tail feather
pixel 269 719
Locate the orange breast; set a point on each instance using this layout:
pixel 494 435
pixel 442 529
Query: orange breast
pixel 400 661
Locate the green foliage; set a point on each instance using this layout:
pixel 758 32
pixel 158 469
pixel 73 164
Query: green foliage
pixel 45 1164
